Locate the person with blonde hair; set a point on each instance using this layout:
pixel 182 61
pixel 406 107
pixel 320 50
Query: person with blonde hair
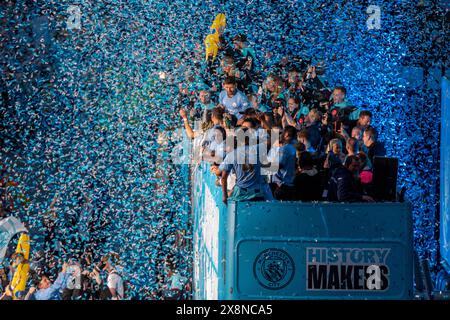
pixel 274 92
pixel 335 156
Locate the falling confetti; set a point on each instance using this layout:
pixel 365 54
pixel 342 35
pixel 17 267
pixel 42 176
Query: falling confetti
pixel 88 86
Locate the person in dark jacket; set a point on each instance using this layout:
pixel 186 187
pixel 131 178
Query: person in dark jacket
pixel 307 181
pixel 342 185
pixel 374 148
pixel 314 128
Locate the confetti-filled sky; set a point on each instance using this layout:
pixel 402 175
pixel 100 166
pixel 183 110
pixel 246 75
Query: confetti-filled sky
pixel 83 105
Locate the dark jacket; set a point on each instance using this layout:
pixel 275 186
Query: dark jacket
pixel 342 187
pixel 376 149
pixel 315 134
pixel 308 186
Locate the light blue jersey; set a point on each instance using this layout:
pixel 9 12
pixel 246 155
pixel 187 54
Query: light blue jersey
pixel 53 292
pixel 285 156
pixel 235 104
pixel 246 166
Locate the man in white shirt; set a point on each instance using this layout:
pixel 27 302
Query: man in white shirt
pixel 114 281
pixel 115 284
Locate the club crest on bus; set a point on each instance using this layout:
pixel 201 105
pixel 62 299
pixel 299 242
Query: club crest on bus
pixel 274 269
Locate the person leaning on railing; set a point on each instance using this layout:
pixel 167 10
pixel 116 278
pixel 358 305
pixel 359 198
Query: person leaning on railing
pixel 245 163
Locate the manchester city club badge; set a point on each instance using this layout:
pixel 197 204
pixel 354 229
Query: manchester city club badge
pixel 274 269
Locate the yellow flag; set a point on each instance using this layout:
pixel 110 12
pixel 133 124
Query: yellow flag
pixel 20 277
pixel 212 40
pixel 219 24
pixel 211 46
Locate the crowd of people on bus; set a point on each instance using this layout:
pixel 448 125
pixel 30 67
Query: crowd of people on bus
pixel 319 146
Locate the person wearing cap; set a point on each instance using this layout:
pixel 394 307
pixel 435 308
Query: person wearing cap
pixel 232 99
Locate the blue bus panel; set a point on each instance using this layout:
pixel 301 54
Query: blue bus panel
pixel 294 250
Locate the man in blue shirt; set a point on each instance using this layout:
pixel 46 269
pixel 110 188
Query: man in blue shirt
pixel 245 163
pixel 232 99
pixel 48 290
pixel 373 147
pixel 283 181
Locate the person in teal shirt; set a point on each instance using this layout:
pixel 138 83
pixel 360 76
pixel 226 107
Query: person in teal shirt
pixel 340 101
pixel 247 57
pixel 272 92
